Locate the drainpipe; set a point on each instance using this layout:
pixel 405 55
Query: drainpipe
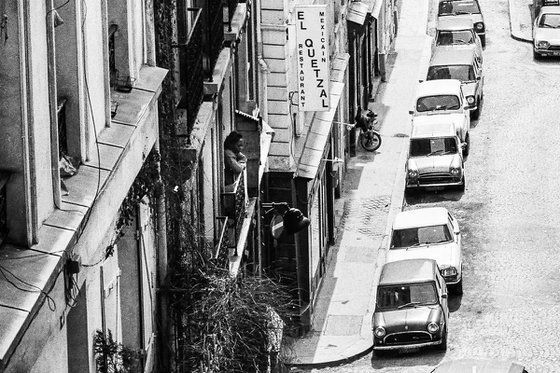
pixel 161 296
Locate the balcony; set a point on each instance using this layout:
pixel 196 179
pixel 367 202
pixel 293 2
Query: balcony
pixel 190 42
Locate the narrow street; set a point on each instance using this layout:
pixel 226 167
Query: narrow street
pixel 508 214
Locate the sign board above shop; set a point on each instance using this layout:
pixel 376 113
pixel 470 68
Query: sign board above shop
pixel 312 38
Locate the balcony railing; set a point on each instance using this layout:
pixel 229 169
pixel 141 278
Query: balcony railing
pixel 215 32
pixel 234 202
pixel 190 30
pixel 222 242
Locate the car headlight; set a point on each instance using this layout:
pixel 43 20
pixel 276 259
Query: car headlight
pixel 380 332
pixel 412 174
pixel 543 44
pixel 470 100
pixel 455 171
pixel 479 26
pixel 433 327
pixel 450 271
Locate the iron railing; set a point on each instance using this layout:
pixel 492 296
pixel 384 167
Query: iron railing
pixel 234 202
pixel 190 31
pixel 222 242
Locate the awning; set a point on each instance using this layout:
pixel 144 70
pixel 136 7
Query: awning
pixel 321 124
pixel 357 12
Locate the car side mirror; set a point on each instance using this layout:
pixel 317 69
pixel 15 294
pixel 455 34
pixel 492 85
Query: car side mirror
pixel 444 296
pixel 457 231
pixel 420 80
pixel 478 78
pixel 463 145
pixel 411 112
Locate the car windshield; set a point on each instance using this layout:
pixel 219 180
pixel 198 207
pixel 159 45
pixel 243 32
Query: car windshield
pixel 433 146
pixel 399 296
pixel 550 21
pixel 453 7
pixel 432 234
pixel 454 37
pixel 439 102
pixel 464 73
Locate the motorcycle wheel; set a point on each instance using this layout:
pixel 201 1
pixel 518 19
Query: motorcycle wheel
pixel 370 141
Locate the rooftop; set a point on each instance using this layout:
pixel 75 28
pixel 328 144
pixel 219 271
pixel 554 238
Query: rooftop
pixel 408 271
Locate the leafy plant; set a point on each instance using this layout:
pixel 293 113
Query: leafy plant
pixel 113 357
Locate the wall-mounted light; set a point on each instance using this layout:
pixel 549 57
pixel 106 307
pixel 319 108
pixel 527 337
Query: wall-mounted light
pixel 292 219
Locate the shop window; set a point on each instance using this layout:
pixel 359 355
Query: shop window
pixel 3 210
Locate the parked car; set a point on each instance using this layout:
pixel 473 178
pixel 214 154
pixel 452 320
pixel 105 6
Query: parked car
pixel 464 65
pixel 480 366
pixel 444 97
pixel 431 233
pixel 457 32
pixel 448 8
pixel 411 308
pixel 546 32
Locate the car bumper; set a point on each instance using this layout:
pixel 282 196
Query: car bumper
pixel 548 52
pixel 407 346
pixel 431 184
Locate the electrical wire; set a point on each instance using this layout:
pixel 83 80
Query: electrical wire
pixel 57 8
pixel 34 289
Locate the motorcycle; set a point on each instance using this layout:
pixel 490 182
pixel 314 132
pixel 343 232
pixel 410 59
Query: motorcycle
pixel 369 138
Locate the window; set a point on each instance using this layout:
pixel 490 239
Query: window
pixel 454 7
pixel 439 102
pixel 550 21
pixel 464 73
pixel 432 146
pixel 455 37
pixel 420 236
pixel 394 297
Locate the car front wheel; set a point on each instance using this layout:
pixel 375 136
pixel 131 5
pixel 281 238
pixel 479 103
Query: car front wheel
pixel 458 289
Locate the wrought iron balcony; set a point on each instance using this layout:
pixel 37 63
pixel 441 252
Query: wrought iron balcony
pixel 234 202
pixel 190 29
pixel 222 242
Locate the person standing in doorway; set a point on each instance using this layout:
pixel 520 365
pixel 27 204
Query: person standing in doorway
pixel 235 161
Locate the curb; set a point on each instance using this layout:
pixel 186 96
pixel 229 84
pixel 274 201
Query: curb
pixel 514 34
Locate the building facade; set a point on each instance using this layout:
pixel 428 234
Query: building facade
pixel 310 148
pixel 79 130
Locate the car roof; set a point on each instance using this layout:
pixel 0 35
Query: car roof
pixel 550 9
pixel 438 87
pixel 455 23
pixel 408 271
pixel 479 366
pixel 427 128
pixel 452 56
pixel 422 217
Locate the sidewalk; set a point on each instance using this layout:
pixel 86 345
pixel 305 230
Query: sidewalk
pixel 520 19
pixel 372 195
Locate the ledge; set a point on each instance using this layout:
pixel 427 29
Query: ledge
pixel 123 147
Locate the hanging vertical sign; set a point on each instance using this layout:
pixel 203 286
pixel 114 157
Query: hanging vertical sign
pixel 312 57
